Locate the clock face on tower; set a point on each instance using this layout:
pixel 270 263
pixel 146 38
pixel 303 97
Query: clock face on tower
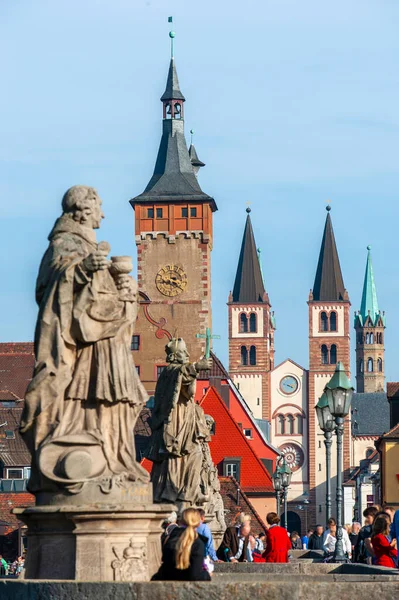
pixel 289 384
pixel 171 280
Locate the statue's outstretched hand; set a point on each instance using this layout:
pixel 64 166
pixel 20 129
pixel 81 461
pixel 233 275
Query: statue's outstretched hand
pixel 205 364
pixel 96 261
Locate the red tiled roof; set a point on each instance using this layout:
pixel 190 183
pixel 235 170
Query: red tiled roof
pixel 9 501
pixel 392 389
pixel 229 441
pixel 393 433
pixel 231 491
pixel 217 371
pixel 16 369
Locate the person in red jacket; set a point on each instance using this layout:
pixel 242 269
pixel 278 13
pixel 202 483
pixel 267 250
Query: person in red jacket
pixel 277 541
pixel 385 551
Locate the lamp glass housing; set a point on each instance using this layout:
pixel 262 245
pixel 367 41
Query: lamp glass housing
pixel 339 401
pixel 277 481
pixel 325 418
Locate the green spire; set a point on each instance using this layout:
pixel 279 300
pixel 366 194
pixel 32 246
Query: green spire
pixel 369 298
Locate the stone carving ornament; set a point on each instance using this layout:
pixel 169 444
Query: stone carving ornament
pixel 85 396
pixel 133 564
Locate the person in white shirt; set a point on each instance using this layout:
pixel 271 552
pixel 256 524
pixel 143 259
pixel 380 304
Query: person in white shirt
pixel 330 539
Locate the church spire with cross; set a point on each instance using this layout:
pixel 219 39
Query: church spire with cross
pixel 176 168
pixel 251 328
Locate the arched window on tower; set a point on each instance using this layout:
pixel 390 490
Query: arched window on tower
pixel 360 366
pixel 244 356
pixel 252 323
pixel 323 321
pixel 379 365
pixel 252 355
pixel 370 365
pixel 333 321
pixel 371 338
pixel 324 355
pixel 280 425
pixel 178 110
pixel 299 424
pixel 367 340
pixel 290 424
pixel 333 355
pixel 243 323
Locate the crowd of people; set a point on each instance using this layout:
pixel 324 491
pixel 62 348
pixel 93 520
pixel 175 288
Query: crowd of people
pixel 14 568
pixel 188 551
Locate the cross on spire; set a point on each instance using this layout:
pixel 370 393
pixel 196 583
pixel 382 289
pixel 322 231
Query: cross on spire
pixel 208 337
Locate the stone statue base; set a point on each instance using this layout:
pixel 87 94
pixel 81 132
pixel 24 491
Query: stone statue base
pixel 94 542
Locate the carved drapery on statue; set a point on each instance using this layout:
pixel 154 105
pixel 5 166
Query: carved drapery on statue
pixel 85 396
pixel 183 471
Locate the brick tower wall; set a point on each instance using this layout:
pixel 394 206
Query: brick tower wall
pixel 187 313
pixel 319 375
pixel 373 381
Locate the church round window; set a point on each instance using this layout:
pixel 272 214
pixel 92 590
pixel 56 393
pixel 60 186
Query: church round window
pixel 293 455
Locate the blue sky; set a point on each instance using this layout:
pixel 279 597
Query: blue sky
pixel 293 103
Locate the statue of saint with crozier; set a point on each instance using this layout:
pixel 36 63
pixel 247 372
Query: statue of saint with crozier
pixel 179 429
pixel 85 396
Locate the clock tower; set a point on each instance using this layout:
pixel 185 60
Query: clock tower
pixel 173 227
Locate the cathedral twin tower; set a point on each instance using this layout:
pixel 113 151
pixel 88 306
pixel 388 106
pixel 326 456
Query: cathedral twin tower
pixel 252 326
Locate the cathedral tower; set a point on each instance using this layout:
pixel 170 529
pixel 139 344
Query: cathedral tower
pixel 251 329
pixel 329 343
pixel 369 326
pixel 173 222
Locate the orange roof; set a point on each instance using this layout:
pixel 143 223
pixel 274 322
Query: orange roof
pixel 229 441
pixel 147 464
pixel 392 388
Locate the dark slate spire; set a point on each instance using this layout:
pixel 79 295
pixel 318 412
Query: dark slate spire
pixel 172 91
pixel 174 177
pixel 328 283
pixel 248 285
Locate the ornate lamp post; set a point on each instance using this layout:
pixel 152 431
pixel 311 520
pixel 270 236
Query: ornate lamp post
pixel 286 474
pixel 327 425
pixel 276 477
pixel 339 392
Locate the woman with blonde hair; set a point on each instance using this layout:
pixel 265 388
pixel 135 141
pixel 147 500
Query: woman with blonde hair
pixel 183 551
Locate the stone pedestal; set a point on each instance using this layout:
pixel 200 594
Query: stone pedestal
pixel 94 542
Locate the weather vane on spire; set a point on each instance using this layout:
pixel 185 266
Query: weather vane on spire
pixel 172 36
pixel 191 133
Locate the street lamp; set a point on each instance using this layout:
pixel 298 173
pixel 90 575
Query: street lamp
pixel 286 474
pixel 276 477
pixel 304 506
pixel 339 392
pixel 327 425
